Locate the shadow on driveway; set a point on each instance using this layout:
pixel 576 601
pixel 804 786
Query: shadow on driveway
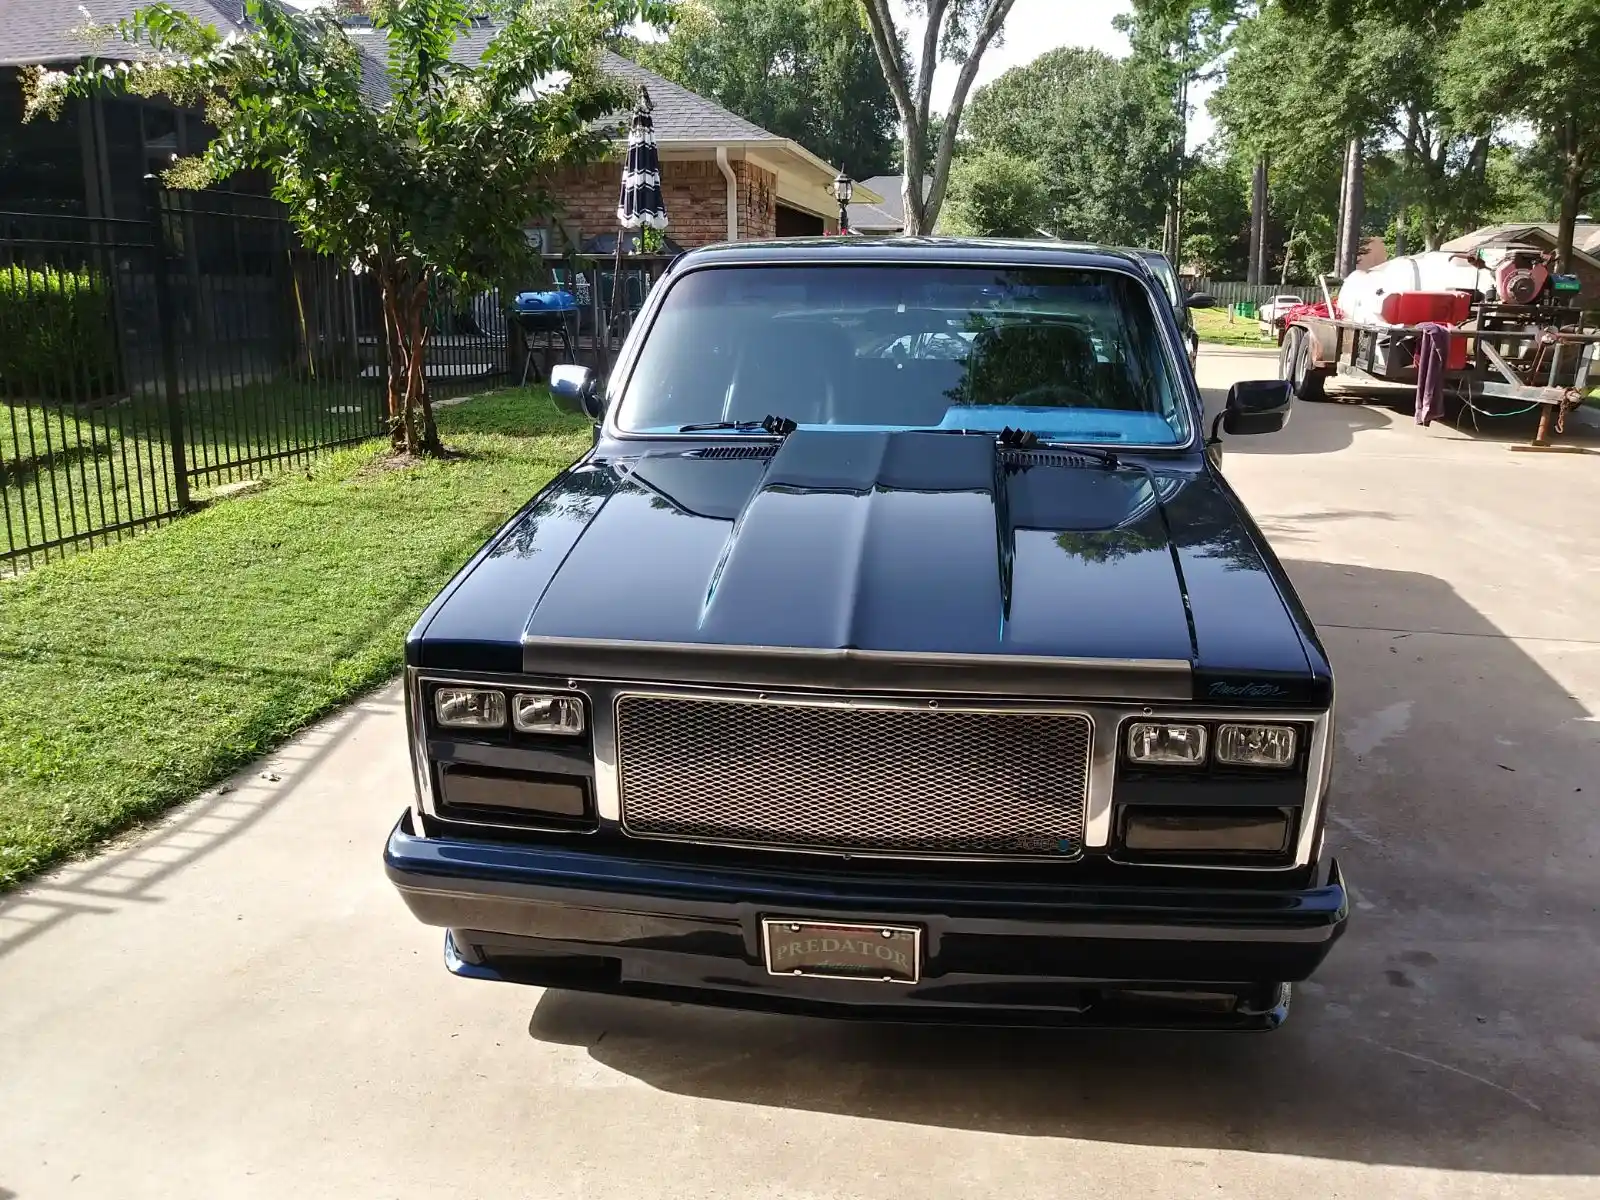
pixel 1451 1028
pixel 1319 428
pixel 114 878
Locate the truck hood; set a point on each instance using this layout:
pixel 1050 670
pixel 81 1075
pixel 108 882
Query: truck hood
pixel 902 544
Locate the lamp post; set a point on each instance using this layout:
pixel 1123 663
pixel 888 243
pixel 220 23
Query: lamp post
pixel 843 189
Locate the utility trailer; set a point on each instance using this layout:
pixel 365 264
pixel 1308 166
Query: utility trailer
pixel 1502 359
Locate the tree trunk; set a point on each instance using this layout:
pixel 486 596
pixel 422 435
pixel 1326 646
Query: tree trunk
pixel 1258 222
pixel 1571 198
pixel 914 110
pixel 1172 234
pixel 911 197
pixel 1400 232
pixel 1358 199
pixel 1288 250
pixel 1341 223
pixel 1571 194
pixel 1351 205
pixel 394 356
pixel 1431 235
pixel 405 309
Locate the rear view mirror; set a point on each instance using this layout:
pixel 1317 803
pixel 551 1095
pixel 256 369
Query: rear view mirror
pixel 1200 300
pixel 1256 406
pixel 575 390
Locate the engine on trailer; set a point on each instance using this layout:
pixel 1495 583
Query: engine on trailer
pixel 1526 275
pixel 1521 277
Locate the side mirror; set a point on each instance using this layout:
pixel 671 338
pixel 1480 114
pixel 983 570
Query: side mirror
pixel 1256 406
pixel 575 390
pixel 1200 300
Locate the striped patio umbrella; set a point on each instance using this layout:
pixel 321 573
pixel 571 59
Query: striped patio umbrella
pixel 641 205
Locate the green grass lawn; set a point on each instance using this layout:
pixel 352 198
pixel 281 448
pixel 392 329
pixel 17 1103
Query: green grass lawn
pixel 68 470
pixel 1213 326
pixel 133 676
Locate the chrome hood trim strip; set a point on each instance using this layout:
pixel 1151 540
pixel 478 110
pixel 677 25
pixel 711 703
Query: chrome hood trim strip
pixel 847 670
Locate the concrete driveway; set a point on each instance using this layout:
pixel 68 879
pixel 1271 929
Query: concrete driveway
pixel 235 1004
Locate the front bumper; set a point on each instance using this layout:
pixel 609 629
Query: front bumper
pixel 1190 957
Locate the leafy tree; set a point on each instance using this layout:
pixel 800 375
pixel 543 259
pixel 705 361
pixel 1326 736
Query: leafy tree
pixel 1101 131
pixel 1217 226
pixel 1535 59
pixel 1302 81
pixel 994 193
pixel 959 31
pixel 805 69
pixel 1180 42
pixel 432 188
pixel 1524 183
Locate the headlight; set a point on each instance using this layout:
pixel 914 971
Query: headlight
pixel 540 712
pixel 469 708
pixel 1164 744
pixel 1256 745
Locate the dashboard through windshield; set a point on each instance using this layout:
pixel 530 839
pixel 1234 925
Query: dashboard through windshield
pixel 1069 354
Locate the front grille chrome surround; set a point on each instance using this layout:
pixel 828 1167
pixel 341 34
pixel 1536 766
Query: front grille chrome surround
pixel 893 778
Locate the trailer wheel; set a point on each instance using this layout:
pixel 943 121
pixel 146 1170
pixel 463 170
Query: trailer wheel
pixel 1289 353
pixel 1305 380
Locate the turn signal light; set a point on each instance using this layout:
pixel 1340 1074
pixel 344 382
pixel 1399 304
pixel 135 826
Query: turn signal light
pixel 1205 831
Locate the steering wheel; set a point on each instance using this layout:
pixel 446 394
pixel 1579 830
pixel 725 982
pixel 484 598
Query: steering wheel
pixel 1051 394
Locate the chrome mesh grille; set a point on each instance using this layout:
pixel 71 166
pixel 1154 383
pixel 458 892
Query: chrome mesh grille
pixel 886 780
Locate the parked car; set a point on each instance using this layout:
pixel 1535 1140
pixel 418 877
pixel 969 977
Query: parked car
pixel 898 650
pixel 1182 303
pixel 1271 313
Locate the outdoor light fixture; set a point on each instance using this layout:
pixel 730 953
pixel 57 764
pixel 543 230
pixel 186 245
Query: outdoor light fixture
pixel 843 189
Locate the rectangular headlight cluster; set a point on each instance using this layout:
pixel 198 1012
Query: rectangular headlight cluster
pixel 486 708
pixel 1184 744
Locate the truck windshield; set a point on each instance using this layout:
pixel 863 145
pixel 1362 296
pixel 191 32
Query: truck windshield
pixel 1072 355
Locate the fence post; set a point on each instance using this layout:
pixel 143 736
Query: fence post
pixel 166 319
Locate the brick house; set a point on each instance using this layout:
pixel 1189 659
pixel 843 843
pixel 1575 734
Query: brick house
pixel 723 177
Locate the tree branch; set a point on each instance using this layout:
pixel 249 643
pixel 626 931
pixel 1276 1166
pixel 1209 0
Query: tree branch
pixel 993 18
pixel 930 59
pixel 886 41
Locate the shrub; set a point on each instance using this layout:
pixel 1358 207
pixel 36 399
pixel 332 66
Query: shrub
pixel 56 334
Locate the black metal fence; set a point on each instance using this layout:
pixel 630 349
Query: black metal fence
pixel 144 363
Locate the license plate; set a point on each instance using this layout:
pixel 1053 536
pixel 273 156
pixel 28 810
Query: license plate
pixel 824 949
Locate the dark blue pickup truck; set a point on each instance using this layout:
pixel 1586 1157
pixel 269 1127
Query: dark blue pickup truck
pixel 897 651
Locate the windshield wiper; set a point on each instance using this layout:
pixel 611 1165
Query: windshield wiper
pixel 1026 439
pixel 778 427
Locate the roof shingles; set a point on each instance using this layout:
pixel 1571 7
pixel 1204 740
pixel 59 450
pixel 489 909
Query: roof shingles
pixel 680 115
pixel 41 31
pixel 44 31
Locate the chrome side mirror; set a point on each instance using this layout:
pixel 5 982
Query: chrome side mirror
pixel 575 390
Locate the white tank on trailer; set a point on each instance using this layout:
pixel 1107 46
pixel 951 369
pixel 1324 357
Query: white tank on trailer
pixel 1361 296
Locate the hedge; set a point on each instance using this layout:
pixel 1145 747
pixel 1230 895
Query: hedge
pixel 57 340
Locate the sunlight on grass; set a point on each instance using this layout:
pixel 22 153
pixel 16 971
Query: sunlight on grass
pixel 133 676
pixel 1213 326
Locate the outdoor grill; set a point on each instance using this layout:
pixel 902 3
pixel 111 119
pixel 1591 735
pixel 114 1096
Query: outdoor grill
pixel 849 778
